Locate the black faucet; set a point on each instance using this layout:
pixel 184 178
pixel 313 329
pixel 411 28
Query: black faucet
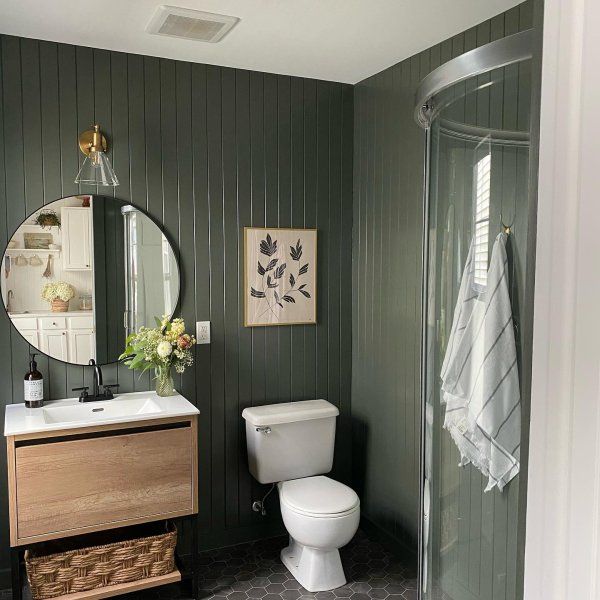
pixel 97 376
pixel 97 395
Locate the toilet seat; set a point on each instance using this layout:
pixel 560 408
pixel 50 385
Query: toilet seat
pixel 318 497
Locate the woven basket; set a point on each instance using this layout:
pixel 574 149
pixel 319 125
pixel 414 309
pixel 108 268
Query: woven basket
pixel 101 566
pixel 58 305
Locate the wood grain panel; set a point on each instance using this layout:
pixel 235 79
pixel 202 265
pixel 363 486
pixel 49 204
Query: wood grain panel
pixel 75 485
pixel 206 150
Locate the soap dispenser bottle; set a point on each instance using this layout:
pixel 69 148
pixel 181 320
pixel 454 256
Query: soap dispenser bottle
pixel 33 385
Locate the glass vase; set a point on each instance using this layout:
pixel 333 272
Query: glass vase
pixel 164 382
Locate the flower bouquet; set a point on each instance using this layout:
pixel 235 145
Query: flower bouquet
pixel 161 348
pixel 58 294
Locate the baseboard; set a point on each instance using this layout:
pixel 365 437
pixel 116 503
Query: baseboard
pixel 389 541
pixel 215 539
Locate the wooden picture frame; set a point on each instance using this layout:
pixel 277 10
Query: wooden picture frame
pixel 280 276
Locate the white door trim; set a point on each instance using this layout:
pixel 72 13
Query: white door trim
pixel 562 553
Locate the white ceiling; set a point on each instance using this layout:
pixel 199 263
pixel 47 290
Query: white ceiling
pixel 338 40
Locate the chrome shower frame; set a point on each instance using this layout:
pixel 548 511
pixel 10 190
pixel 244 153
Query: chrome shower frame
pixel 509 50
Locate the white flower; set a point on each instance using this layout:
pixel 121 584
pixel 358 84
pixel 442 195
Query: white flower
pixel 58 289
pixel 164 349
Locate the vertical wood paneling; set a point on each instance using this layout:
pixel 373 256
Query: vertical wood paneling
pixel 284 219
pixel 201 289
pixel 322 220
pixel 388 150
pixel 388 169
pixel 258 203
pixel 271 150
pixel 310 220
pixel 5 326
pixel 345 285
pixel 206 150
pixel 244 207
pixel 51 167
pixel 103 114
pixel 230 226
pixel 297 339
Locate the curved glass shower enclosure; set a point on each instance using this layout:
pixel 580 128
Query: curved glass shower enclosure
pixel 476 110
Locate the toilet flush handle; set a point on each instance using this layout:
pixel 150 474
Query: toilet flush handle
pixel 266 430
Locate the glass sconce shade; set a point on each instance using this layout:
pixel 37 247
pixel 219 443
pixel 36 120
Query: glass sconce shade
pixel 97 170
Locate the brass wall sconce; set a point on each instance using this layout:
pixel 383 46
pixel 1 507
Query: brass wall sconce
pixel 96 168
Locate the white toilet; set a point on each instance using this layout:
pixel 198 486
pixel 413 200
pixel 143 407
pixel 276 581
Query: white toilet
pixel 292 444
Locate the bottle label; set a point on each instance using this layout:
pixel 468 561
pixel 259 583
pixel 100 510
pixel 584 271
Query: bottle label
pixel 34 390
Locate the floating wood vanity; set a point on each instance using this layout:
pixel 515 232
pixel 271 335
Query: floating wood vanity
pixel 79 468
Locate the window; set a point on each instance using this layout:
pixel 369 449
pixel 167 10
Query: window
pixel 482 221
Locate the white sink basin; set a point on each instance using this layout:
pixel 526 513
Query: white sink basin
pixel 84 412
pixel 71 414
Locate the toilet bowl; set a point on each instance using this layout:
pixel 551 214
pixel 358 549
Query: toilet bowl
pixel 321 515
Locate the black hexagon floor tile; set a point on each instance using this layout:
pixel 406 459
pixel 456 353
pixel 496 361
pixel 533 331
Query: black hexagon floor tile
pixel 254 571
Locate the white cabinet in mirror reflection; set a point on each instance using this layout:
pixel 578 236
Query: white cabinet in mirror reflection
pixel 54 343
pixel 32 337
pixel 77 237
pixel 81 344
pixel 66 336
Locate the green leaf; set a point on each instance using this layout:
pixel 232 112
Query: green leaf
pixel 137 362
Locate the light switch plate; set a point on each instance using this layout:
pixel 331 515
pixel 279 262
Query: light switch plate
pixel 203 332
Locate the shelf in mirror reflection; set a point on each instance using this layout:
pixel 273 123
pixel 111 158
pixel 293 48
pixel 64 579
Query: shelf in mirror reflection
pixel 13 251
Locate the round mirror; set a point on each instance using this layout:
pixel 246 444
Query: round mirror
pixel 83 272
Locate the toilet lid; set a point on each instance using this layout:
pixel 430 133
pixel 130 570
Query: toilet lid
pixel 318 496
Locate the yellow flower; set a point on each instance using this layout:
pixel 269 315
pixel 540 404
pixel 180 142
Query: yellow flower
pixel 177 328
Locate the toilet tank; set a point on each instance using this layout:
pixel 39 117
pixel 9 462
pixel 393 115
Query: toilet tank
pixel 290 440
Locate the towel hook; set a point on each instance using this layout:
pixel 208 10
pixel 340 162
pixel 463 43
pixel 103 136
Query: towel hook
pixel 506 228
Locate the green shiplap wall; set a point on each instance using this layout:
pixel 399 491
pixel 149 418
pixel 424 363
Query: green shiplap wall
pixel 387 246
pixel 205 150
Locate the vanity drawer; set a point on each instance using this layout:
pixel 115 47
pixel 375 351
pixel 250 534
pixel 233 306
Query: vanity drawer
pixel 68 487
pixel 81 322
pixel 25 323
pixel 53 323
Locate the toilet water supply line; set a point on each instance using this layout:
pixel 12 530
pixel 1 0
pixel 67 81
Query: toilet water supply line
pixel 259 505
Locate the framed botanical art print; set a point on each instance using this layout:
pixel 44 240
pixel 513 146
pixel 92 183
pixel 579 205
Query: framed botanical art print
pixel 280 276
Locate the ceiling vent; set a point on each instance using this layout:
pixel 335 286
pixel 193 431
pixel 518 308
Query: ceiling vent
pixel 190 24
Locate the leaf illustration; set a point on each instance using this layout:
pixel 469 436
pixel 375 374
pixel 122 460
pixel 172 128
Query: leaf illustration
pixel 292 280
pixel 276 297
pixel 297 251
pixel 289 299
pixel 302 286
pixel 279 271
pixel 271 264
pixel 304 293
pixel 269 282
pixel 303 269
pixel 256 293
pixel 261 269
pixel 268 247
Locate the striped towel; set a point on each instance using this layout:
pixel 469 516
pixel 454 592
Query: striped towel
pixel 480 378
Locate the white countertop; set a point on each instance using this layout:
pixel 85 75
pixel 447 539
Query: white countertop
pixel 72 414
pixel 50 313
